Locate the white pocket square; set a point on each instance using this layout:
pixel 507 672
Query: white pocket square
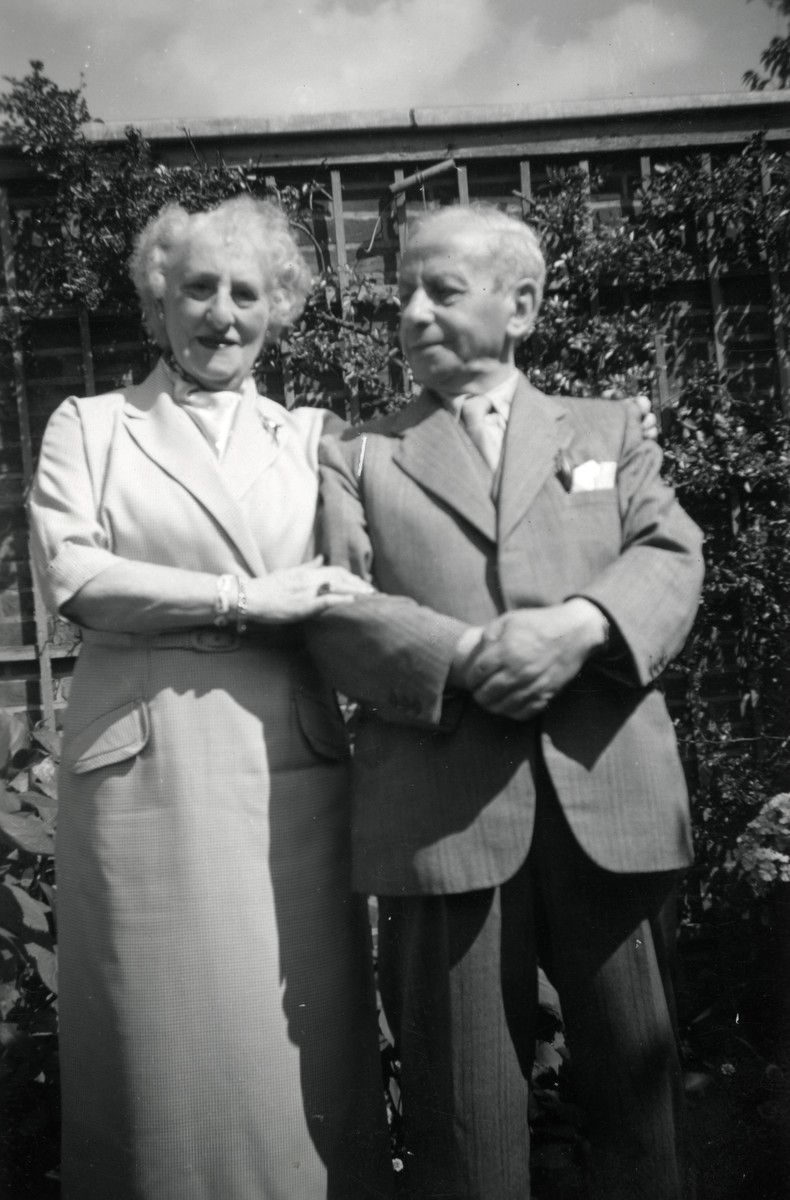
pixel 592 476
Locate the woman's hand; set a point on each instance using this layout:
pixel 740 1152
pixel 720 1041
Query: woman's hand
pixel 295 593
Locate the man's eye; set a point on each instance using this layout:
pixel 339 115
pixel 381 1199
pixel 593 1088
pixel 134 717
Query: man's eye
pixel 444 295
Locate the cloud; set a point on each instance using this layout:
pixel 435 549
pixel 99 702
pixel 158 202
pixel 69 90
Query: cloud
pixel 625 53
pixel 328 55
pixel 311 56
pixel 211 58
pixel 257 58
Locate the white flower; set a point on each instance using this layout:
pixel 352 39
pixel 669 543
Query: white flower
pixel 762 852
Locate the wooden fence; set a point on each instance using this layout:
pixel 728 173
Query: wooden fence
pixel 367 174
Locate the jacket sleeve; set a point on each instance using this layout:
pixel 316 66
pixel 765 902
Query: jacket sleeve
pixel 69 545
pixel 389 652
pixel 651 591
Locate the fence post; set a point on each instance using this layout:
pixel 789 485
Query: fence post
pixel 714 277
pixel 463 185
pixel 353 408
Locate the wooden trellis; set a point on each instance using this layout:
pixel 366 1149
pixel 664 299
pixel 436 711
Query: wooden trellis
pixel 375 171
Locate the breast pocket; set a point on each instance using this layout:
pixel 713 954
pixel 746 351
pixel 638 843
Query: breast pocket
pixel 593 528
pixel 111 738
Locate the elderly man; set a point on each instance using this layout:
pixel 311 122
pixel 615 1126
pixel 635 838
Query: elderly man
pixel 517 788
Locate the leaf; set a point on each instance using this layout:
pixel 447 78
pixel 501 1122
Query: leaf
pixel 13 736
pixel 49 739
pixel 27 832
pixel 19 911
pixel 46 964
pixel 9 993
pixel 45 806
pixel 50 892
pixel 9 960
pixel 9 802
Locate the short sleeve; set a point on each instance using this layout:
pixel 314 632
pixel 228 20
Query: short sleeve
pixel 69 546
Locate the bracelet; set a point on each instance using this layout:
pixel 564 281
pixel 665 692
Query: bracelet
pixel 241 606
pixel 222 599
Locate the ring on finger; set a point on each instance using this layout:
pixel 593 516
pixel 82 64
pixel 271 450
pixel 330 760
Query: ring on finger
pixel 323 589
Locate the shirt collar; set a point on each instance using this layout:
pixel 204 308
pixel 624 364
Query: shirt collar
pixel 501 398
pixel 184 389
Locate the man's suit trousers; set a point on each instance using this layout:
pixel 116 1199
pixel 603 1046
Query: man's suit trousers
pixel 459 985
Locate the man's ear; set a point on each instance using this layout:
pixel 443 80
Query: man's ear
pixel 526 302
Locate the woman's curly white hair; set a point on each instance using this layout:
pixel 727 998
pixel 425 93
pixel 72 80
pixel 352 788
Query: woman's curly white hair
pixel 257 225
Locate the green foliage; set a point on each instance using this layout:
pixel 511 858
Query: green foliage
pixel 775 58
pixel 74 241
pixel 617 308
pixel 28 974
pixel 762 852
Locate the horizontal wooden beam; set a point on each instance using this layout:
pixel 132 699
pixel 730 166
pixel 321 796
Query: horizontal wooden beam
pixel 412 136
pixel 28 653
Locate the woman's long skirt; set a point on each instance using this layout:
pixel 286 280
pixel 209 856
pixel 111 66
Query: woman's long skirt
pixel 218 1031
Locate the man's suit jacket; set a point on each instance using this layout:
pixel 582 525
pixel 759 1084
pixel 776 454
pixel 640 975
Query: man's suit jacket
pixel 444 791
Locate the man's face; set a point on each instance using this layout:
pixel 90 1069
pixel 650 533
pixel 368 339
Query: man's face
pixel 457 326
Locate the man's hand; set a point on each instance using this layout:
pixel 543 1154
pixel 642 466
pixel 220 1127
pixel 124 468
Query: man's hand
pixel 524 658
pixel 644 410
pixel 646 416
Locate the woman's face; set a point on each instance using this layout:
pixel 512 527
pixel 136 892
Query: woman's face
pixel 215 310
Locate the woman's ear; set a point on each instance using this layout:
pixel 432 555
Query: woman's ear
pixel 156 324
pixel 526 303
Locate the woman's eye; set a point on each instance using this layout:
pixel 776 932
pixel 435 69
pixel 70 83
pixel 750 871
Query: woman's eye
pixel 198 291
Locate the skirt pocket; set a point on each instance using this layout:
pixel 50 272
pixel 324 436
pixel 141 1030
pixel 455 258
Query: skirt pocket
pixel 113 737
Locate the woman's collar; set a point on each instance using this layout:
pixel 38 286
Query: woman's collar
pixel 176 373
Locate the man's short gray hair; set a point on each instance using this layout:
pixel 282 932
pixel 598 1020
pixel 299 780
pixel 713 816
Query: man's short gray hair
pixel 509 244
pixel 256 225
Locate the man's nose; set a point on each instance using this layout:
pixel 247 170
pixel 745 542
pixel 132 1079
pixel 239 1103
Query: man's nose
pixel 418 309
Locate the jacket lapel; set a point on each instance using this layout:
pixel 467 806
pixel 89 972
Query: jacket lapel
pixel 537 430
pixel 251 450
pixel 170 439
pixel 433 451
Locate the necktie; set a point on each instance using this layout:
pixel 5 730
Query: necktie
pixel 485 427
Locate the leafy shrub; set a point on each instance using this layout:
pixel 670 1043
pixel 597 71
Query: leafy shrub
pixel 28 975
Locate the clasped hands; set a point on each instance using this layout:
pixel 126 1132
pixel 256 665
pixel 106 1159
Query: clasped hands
pixel 516 664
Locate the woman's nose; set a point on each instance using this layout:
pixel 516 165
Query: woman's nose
pixel 220 309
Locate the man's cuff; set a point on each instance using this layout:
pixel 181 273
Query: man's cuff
pixel 464 649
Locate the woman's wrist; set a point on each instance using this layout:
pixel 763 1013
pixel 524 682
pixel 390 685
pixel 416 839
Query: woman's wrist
pixel 241 604
pixel 230 602
pixel 224 602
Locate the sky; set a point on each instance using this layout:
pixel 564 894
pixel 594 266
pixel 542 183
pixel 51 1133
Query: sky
pixel 193 59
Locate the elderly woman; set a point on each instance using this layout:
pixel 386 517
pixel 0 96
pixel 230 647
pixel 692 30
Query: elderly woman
pixel 218 1028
